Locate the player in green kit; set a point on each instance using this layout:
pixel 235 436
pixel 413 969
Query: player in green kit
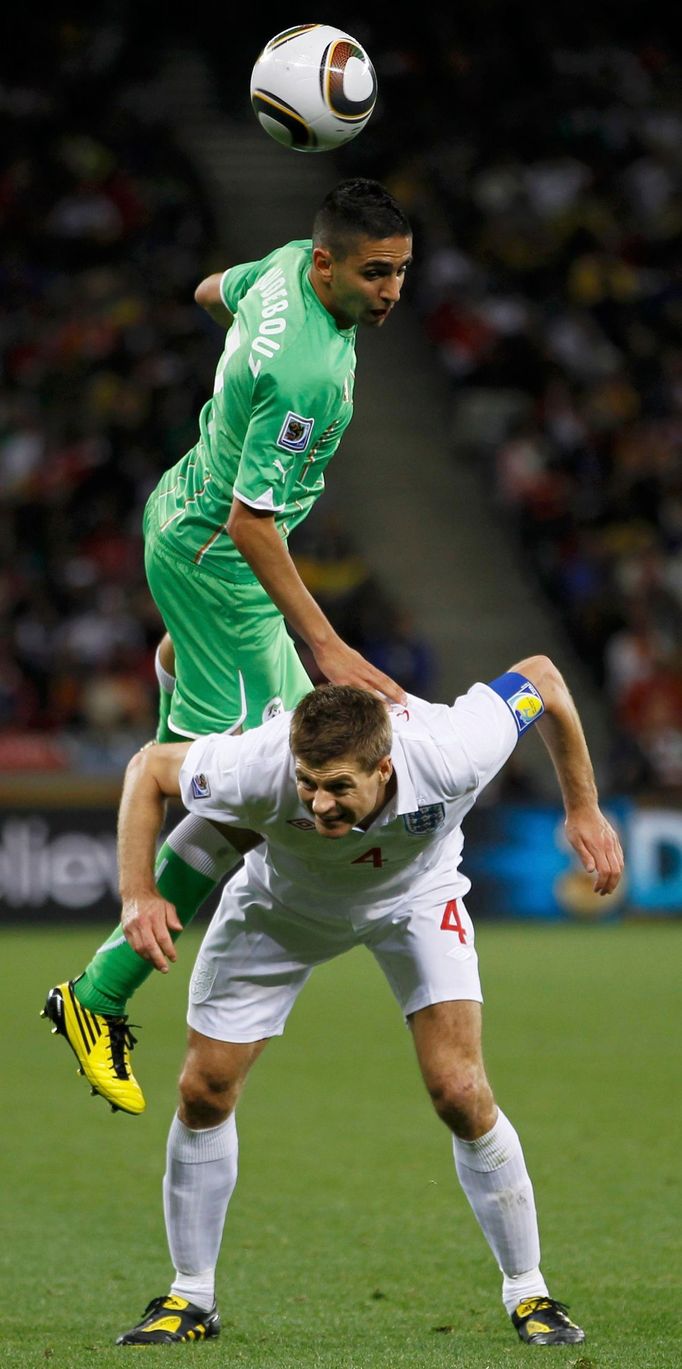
pixel 217 564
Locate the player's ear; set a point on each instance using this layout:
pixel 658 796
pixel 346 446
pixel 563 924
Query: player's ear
pixel 385 768
pixel 323 261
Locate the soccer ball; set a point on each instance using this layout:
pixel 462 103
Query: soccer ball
pixel 313 88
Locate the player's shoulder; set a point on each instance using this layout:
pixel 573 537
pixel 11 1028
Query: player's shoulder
pixel 417 717
pixel 484 709
pixel 255 746
pixel 260 749
pixel 284 269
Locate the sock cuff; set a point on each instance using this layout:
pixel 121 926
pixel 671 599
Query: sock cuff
pixel 201 846
pixel 166 681
pixel 195 1147
pixel 491 1151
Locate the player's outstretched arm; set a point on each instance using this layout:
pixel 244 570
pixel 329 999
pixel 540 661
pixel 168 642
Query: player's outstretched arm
pixel 147 919
pixel 255 535
pixel 208 295
pixel 591 835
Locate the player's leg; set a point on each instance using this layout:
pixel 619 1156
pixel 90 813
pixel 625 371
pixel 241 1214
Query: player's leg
pixel 235 666
pixel 487 1151
pixel 209 694
pixel 90 1011
pixel 106 992
pixel 200 1178
pixel 249 971
pixel 247 635
pixel 433 971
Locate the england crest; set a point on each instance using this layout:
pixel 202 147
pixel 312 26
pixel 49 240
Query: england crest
pixel 428 818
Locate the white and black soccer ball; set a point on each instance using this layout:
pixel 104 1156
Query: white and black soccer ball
pixel 313 88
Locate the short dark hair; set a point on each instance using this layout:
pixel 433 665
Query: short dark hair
pixel 358 208
pixel 340 720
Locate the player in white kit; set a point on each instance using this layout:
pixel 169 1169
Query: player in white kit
pixel 359 807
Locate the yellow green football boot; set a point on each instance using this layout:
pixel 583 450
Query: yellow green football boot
pixel 101 1045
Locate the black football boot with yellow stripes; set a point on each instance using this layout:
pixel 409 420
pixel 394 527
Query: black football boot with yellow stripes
pixel 544 1321
pixel 170 1319
pixel 101 1045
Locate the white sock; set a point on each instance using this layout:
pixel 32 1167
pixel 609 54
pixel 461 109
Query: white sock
pixel 201 1173
pixel 493 1174
pixel 165 679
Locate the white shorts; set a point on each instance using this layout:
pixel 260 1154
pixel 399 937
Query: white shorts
pixel 255 959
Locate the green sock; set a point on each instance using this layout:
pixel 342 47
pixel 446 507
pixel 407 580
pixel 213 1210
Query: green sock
pixel 116 970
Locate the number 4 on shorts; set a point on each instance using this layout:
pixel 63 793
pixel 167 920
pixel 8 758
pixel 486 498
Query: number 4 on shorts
pixel 451 921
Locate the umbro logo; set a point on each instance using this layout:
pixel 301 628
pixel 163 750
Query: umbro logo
pixel 303 824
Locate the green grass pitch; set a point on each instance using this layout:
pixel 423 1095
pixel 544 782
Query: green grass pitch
pixel 349 1244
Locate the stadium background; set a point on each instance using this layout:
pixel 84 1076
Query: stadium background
pixel 522 420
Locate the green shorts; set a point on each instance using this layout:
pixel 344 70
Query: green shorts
pixel 235 663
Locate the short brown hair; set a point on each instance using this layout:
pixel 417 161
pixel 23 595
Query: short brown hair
pixel 340 720
pixel 358 208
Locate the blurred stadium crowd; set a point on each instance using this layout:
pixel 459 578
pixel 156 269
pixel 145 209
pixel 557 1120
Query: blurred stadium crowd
pixel 542 176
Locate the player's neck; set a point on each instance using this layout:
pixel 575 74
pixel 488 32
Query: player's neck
pixel 323 294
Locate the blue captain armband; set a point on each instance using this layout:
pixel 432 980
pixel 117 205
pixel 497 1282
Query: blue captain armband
pixel 521 697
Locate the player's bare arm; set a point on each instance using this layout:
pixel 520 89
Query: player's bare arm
pixel 255 535
pixel 208 295
pixel 147 918
pixel 591 835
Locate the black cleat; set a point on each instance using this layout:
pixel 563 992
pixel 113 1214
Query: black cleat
pixel 543 1321
pixel 169 1319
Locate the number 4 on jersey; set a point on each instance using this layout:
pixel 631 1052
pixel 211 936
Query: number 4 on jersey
pixel 452 922
pixel 371 857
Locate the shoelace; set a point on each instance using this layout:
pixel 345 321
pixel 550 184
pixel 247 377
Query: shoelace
pixel 120 1037
pixel 553 1303
pixel 154 1305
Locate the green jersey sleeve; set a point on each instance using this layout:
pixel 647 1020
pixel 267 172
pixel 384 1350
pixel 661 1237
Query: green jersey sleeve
pixel 236 281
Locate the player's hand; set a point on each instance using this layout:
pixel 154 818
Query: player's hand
pixel 598 847
pixel 341 664
pixel 147 924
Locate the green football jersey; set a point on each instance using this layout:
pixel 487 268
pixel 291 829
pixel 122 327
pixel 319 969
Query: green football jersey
pixel 283 397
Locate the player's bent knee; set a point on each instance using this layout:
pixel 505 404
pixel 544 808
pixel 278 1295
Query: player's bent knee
pixel 464 1101
pixel 206 1097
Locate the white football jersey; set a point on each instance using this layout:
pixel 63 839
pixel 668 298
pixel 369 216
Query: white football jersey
pixel 443 757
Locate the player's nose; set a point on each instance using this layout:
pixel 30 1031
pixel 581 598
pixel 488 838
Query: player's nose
pixel 391 289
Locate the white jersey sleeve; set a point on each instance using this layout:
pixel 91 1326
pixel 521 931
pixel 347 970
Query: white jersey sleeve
pixel 209 779
pixel 488 720
pixel 238 780
pixel 485 730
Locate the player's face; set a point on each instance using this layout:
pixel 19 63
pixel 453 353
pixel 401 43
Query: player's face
pixel 365 285
pixel 341 794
